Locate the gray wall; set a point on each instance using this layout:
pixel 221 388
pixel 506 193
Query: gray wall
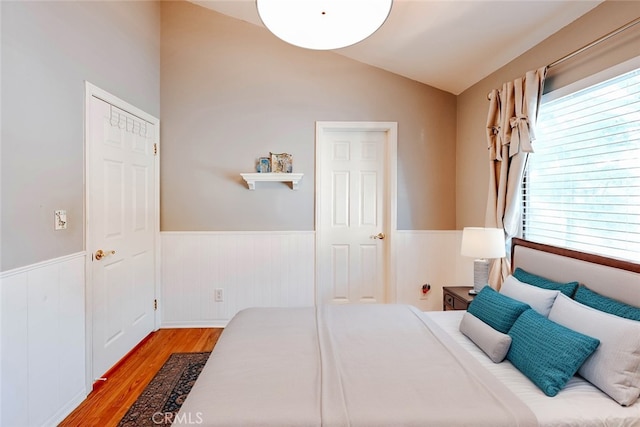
pixel 48 50
pixel 232 92
pixel 472 160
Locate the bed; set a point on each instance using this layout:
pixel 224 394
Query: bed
pixel 392 365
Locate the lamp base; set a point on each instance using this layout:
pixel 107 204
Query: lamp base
pixel 480 275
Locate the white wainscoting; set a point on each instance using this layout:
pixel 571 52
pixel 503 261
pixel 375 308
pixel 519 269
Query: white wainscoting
pixel 43 341
pixel 278 269
pixel 42 371
pixel 267 269
pixel 433 257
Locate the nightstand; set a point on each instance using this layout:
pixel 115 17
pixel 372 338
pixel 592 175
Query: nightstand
pixel 456 297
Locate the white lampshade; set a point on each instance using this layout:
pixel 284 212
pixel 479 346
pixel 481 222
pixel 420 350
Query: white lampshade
pixel 480 242
pixel 323 24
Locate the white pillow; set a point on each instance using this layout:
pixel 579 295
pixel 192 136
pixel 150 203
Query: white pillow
pixel 538 298
pixel 615 365
pixel 494 343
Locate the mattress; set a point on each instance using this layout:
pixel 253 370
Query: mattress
pixel 346 365
pixel 579 404
pixel 375 365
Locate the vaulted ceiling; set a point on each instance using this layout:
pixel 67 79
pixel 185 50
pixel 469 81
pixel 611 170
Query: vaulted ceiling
pixel 447 44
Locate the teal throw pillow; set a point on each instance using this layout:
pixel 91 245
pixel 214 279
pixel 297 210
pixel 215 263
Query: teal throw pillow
pixel 568 288
pixel 547 353
pixel 496 310
pixel 593 299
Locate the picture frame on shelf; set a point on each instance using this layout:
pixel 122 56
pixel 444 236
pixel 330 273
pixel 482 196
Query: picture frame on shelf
pixel 281 163
pixel 264 165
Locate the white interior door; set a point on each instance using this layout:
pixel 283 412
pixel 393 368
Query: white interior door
pixel 355 211
pixel 121 150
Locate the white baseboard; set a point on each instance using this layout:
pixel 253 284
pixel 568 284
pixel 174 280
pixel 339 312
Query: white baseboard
pixel 195 324
pixel 68 408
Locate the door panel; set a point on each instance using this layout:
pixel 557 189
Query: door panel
pixel 368 199
pixel 140 206
pixel 113 181
pixel 340 272
pixel 340 196
pixel 113 285
pixel 369 272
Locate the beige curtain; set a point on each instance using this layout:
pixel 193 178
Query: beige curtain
pixel 513 111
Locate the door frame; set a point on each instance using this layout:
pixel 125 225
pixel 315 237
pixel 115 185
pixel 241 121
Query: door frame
pixel 391 199
pixel 92 91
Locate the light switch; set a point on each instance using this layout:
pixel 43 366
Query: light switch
pixel 60 220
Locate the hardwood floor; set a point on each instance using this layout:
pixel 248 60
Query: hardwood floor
pixel 106 405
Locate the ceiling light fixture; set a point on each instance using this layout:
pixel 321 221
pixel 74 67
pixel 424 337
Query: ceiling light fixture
pixel 323 24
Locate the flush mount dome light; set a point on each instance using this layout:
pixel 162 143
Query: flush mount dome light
pixel 323 24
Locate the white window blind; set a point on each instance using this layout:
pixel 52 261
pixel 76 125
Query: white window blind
pixel 582 185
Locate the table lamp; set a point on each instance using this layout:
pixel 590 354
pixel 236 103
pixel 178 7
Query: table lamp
pixel 482 244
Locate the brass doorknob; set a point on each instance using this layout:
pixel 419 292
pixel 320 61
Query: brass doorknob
pixel 378 236
pixel 101 254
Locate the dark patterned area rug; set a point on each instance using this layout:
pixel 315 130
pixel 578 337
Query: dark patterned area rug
pixel 165 394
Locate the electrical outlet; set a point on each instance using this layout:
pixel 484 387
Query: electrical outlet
pixel 219 295
pixel 424 291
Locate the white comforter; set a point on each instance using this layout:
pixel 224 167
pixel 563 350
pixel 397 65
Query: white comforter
pixel 356 365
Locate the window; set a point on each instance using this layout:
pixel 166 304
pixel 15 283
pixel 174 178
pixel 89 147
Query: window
pixel 582 185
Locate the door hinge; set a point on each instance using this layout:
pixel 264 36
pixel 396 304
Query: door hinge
pixel 155 149
pixel 155 304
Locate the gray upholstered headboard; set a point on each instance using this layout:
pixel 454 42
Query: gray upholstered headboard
pixel 611 277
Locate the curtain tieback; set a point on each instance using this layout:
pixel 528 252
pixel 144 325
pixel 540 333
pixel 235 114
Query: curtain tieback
pixel 494 144
pixel 520 135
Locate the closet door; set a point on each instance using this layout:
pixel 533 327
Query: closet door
pixel 122 225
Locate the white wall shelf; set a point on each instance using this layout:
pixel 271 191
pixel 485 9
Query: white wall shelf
pixel 252 178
